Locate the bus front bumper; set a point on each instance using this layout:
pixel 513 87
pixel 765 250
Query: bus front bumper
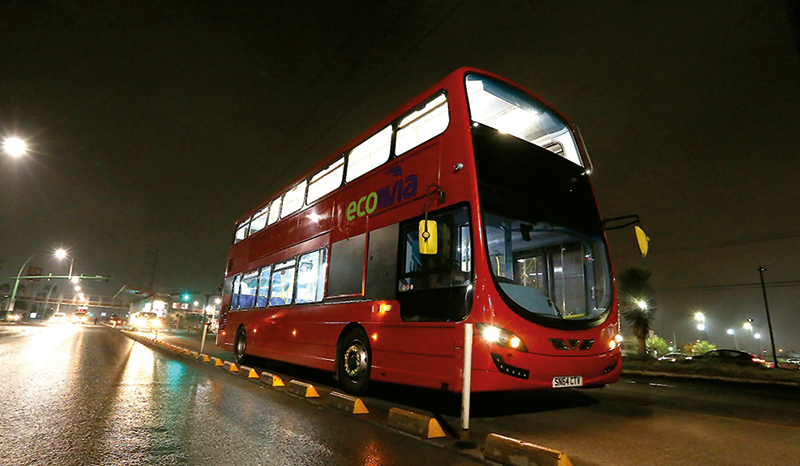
pixel 500 371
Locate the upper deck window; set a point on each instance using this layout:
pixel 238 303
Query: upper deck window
pixel 259 221
pixel 274 211
pixel 422 125
pixel 241 231
pixel 511 111
pixel 325 181
pixel 293 199
pixel 369 154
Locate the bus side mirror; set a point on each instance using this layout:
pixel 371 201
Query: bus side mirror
pixel 643 240
pixel 428 237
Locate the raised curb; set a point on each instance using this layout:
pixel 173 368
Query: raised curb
pixel 348 403
pixel 507 450
pixel 248 372
pixel 271 380
pixel 413 423
pixel 303 389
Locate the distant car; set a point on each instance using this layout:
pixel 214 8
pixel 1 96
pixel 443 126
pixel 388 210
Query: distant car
pixel 115 321
pixel 146 321
pixel 672 357
pixel 81 316
pixel 728 356
pixel 14 317
pixel 58 318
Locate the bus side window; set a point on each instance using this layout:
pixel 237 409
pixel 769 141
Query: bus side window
pixel 436 288
pixel 311 276
pixel 422 125
pixel 381 279
pixel 235 292
pixel 346 276
pixel 247 294
pixel 241 231
pixel 263 287
pixel 451 266
pixel 282 283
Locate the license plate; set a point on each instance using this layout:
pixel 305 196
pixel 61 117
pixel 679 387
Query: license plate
pixel 568 381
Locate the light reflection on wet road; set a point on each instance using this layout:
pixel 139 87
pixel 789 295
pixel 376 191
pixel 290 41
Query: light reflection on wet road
pixel 88 395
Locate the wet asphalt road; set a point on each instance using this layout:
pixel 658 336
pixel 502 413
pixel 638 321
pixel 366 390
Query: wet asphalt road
pixel 637 422
pixel 90 395
pixel 74 395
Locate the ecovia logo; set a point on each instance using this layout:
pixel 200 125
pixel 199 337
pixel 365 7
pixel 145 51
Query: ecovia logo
pixel 400 190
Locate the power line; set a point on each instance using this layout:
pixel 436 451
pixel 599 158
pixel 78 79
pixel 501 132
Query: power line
pixel 780 284
pixel 719 245
pixel 322 134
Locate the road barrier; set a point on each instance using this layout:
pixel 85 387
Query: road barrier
pixel 271 380
pixel 348 403
pixel 230 367
pixel 515 452
pixel 414 423
pixel 248 372
pixel 303 389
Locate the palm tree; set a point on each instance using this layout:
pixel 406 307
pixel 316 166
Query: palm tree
pixel 637 303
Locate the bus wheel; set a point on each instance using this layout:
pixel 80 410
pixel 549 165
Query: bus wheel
pixel 354 362
pixel 240 346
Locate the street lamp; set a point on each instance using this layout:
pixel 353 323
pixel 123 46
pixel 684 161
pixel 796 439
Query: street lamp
pixel 61 253
pixel 733 334
pixel 12 301
pixel 15 147
pixel 701 325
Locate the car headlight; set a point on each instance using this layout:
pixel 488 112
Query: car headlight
pixel 500 337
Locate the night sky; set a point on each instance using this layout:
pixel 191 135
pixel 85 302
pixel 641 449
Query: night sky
pixel 153 126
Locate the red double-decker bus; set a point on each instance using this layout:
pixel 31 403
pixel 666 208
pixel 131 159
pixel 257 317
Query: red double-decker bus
pixel 470 204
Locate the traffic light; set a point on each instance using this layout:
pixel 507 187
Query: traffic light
pixel 186 297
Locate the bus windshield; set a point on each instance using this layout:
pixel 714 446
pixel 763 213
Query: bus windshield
pixel 547 269
pixel 544 236
pixel 511 111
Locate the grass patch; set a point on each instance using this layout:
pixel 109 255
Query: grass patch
pixel 701 369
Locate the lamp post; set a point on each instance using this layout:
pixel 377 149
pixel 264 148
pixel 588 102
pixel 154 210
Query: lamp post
pixel 769 322
pixel 733 334
pixel 757 336
pixel 10 308
pixel 13 299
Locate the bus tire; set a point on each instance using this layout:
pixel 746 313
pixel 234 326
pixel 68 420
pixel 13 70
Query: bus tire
pixel 240 346
pixel 354 361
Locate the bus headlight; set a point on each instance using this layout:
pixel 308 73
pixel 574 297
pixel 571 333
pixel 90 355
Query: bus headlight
pixel 615 342
pixel 500 337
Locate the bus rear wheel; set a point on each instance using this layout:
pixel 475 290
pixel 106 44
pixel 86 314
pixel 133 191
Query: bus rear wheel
pixel 354 362
pixel 240 346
